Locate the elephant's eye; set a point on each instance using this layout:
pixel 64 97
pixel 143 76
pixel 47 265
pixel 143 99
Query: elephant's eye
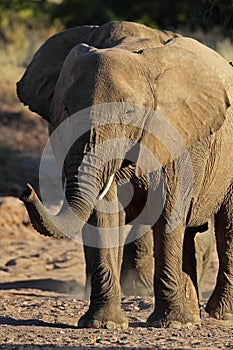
pixel 129 112
pixel 66 110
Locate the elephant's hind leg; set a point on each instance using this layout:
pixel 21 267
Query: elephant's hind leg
pixel 220 304
pixel 137 272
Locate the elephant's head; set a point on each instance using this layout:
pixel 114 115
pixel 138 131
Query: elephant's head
pixel 128 85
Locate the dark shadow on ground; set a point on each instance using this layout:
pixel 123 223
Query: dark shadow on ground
pixel 17 169
pixel 9 321
pixel 22 140
pixel 47 284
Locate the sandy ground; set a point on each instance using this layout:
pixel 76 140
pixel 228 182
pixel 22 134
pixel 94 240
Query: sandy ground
pixel 41 290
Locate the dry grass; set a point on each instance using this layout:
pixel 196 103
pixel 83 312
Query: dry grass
pixel 16 50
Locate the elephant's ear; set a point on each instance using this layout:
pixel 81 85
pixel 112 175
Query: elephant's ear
pixel 190 103
pixel 64 99
pixel 36 87
pixel 221 67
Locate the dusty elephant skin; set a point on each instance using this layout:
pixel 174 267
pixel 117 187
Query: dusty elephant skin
pixel 162 88
pixel 137 270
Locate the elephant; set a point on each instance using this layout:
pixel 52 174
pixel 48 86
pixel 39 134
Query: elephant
pixel 154 110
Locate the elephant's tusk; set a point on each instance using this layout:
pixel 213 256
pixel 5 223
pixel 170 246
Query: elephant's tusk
pixel 106 189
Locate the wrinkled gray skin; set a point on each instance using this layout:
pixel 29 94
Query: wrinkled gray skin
pixel 187 84
pixel 137 270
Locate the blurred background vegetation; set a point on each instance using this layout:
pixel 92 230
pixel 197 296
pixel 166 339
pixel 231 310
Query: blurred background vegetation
pixel 26 24
pixel 168 13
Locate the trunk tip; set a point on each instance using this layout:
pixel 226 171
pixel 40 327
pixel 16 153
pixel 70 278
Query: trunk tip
pixel 27 193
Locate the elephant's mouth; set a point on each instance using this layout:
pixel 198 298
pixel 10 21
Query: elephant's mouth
pixel 122 176
pixel 106 188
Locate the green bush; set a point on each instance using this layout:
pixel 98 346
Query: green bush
pixel 24 25
pixel 18 14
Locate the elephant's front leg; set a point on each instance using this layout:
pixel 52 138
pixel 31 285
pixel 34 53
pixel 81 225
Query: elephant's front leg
pixel 105 304
pixel 105 256
pixel 174 291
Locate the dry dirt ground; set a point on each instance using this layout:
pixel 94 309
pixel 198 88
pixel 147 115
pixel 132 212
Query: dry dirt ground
pixel 42 280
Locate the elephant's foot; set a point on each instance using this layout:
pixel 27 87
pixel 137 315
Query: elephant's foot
pixel 220 304
pixel 174 319
pixel 191 298
pixel 106 317
pixel 186 315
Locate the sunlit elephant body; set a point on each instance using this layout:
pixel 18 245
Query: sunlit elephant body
pixel 179 84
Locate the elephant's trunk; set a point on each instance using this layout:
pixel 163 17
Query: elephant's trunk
pixel 87 182
pixel 39 217
pixel 76 210
pixel 83 188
